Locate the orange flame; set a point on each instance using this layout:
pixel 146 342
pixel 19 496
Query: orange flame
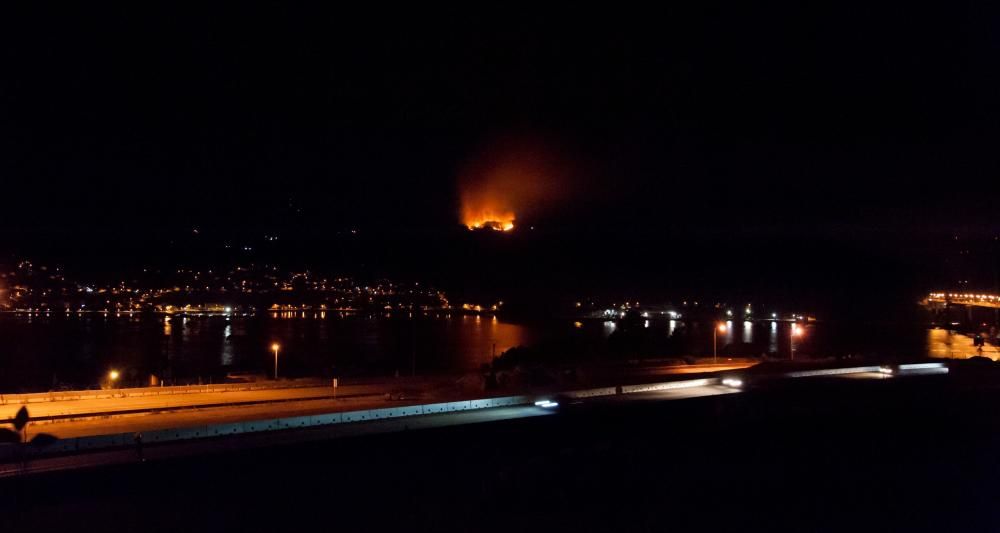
pixel 482 216
pixel 507 179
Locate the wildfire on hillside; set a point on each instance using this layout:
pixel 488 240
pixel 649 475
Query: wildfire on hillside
pixel 485 217
pixel 506 181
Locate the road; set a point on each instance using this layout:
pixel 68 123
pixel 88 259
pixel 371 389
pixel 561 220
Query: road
pixel 816 445
pixel 176 401
pixel 143 413
pixel 252 440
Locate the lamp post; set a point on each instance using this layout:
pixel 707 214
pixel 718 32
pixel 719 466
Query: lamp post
pixel 715 341
pixel 275 347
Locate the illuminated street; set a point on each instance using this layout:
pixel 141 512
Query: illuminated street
pixel 180 401
pixel 144 413
pixel 289 409
pixel 186 448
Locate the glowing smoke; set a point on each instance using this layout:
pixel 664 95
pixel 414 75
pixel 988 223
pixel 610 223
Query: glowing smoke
pixel 507 183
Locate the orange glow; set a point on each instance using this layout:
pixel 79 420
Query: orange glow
pixel 489 220
pixel 486 207
pixel 722 328
pixel 511 180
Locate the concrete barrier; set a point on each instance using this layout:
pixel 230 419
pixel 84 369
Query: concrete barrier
pixel 219 430
pixel 831 371
pixel 507 401
pixel 101 441
pixel 592 393
pixel 165 435
pixel 459 406
pixel 327 419
pixel 669 385
pixel 433 408
pixel 295 422
pixel 60 446
pixel 355 416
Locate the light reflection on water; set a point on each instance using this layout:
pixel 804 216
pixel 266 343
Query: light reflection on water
pixel 227 346
pixel 772 338
pixel 71 348
pixel 953 345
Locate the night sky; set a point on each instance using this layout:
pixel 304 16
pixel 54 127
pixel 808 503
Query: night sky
pixel 788 151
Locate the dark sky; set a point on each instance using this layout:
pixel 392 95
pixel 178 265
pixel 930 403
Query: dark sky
pixel 814 138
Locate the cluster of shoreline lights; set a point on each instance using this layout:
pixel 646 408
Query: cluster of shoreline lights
pixel 964 296
pixel 674 315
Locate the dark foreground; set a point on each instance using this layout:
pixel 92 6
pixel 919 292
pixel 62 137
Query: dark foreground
pixel 840 454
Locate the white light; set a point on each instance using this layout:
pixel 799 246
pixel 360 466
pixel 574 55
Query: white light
pixel 733 382
pixel 832 371
pixel 917 366
pixel 546 404
pixel 885 370
pixel 668 385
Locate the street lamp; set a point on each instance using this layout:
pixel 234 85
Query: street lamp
pixel 715 341
pixel 796 332
pixel 275 347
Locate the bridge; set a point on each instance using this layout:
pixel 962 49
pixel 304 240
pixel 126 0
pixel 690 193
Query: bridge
pixel 944 299
pixel 972 312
